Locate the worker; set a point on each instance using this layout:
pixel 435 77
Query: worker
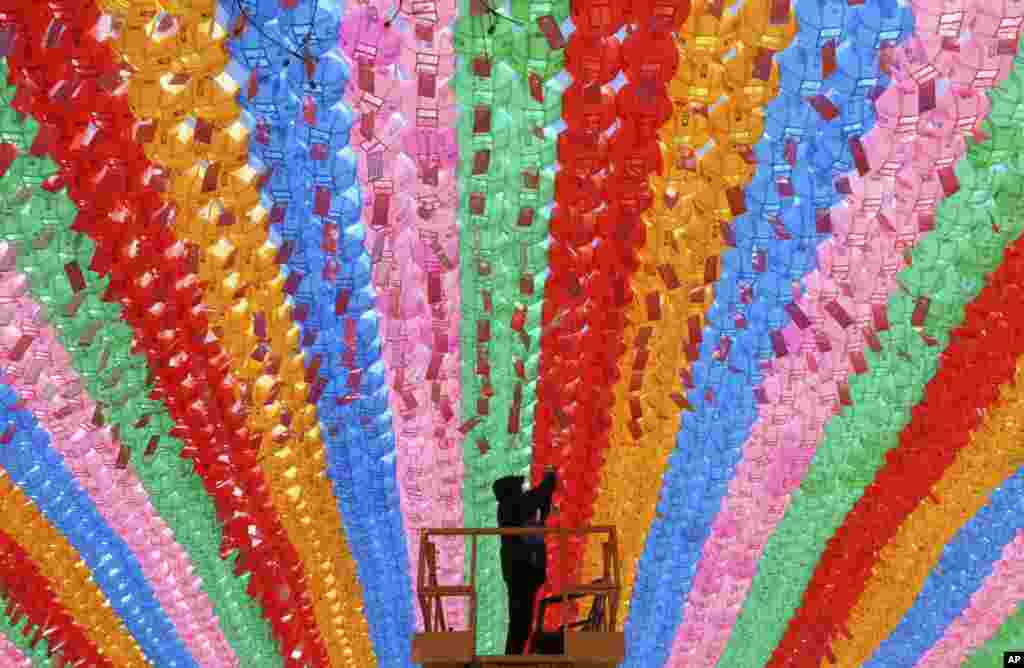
pixel 523 558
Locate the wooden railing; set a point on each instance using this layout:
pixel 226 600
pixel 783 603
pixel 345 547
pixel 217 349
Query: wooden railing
pixel 431 593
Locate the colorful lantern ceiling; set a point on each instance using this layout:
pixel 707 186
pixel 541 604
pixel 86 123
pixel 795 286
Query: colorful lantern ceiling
pixel 283 282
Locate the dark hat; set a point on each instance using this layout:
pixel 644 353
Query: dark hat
pixel 508 486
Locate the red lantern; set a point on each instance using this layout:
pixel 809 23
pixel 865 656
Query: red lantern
pixel 661 15
pixel 588 110
pixel 644 106
pixel 593 59
pixel 650 56
pixel 598 18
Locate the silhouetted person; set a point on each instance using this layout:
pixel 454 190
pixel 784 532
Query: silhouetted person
pixel 523 558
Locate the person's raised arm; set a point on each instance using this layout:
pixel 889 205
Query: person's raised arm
pixel 539 498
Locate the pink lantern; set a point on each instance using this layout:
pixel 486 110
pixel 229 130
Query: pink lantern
pixel 367 41
pixel 981 63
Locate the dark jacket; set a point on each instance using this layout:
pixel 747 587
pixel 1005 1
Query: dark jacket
pixel 523 556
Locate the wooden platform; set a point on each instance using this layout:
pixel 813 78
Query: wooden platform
pixel 454 649
pixel 443 648
pixel 595 648
pixel 595 645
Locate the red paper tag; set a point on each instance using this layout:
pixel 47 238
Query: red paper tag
pixel 880 317
pixel 434 292
pixel 203 132
pixel 366 125
pixel 784 186
pixel 711 268
pixel 75 276
pixel 518 319
pixel 839 314
pixel 829 60
pixel 780 12
pixel 481 120
pixel 926 97
pixel 477 203
pixel 950 184
pixel 790 152
pixel 341 303
pixel 211 178
pixel 654 306
pixel 695 332
pixel 823 221
pixel 20 348
pixel 322 202
pixel 482 67
pixel 800 318
pixel 381 208
pixel 552 32
pixel 763 65
pixel 367 77
pixel 824 106
pixel 737 202
pixel 884 223
pixel 481 162
pixel 424 31
pixel 313 371
pixel 309 110
pixel 844 394
pixel 434 368
pixel 536 87
pixel 427 85
pixel 728 237
pixel 291 284
pixel 860 156
pixel 860 365
pixel 779 343
pixel 920 313
pixel 668 276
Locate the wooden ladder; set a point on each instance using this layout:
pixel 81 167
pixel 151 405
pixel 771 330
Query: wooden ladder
pixel 432 595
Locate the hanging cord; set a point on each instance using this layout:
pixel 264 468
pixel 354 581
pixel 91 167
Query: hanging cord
pixel 302 57
pixel 491 10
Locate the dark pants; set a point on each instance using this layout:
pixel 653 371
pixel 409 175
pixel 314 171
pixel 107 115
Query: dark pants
pixel 522 593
